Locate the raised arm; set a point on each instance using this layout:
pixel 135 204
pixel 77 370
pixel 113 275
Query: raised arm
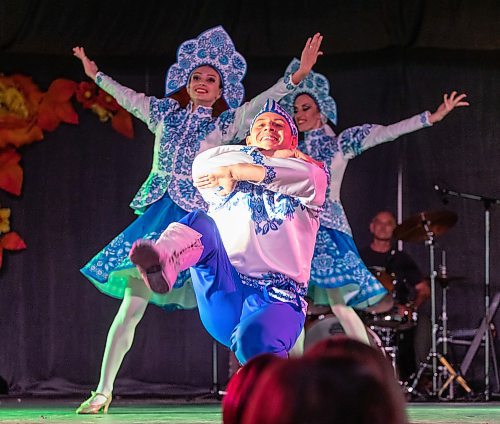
pixel 243 115
pixel 354 141
pixel 449 103
pixel 308 58
pixel 146 108
pixel 89 66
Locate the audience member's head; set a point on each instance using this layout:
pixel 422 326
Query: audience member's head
pixel 242 385
pixel 338 381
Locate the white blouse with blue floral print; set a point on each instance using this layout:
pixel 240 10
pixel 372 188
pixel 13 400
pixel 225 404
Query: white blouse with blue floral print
pixel 180 134
pixel 324 145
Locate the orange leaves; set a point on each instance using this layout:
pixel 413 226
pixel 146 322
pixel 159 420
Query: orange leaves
pixel 11 173
pixel 25 111
pixel 56 107
pixel 10 241
pixel 105 107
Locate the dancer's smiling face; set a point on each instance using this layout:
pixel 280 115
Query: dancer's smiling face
pixel 271 131
pixel 204 86
pixel 306 113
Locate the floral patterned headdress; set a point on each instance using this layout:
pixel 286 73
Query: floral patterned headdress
pixel 273 106
pixel 315 85
pixel 214 48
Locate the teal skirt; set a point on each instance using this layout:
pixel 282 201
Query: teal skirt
pixel 110 270
pixel 336 264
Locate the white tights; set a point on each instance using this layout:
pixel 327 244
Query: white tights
pixel 121 333
pixel 348 318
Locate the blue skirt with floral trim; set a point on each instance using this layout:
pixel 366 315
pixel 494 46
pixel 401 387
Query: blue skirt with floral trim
pixel 111 269
pixel 336 264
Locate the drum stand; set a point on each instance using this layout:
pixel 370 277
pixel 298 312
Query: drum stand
pixel 433 357
pixel 487 203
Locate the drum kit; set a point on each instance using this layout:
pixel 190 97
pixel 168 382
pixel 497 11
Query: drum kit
pixel 386 327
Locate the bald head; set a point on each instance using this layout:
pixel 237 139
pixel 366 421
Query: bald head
pixel 382 226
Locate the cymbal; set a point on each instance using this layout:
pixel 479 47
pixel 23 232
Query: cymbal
pixel 414 227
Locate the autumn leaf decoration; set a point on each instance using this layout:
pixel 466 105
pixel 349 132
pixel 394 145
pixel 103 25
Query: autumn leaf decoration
pixel 105 107
pixel 25 113
pixel 9 240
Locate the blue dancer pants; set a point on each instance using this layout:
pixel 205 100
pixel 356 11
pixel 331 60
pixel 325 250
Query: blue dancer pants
pixel 236 315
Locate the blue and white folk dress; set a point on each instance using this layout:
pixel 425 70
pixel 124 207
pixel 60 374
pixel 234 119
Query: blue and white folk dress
pixel 336 262
pixel 168 193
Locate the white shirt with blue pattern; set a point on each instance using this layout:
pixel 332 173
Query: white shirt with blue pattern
pixel 268 228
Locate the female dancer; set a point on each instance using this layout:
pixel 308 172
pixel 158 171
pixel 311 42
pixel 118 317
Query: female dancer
pixel 209 67
pixel 336 265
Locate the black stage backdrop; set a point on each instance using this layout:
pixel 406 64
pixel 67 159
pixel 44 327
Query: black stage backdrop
pixel 386 61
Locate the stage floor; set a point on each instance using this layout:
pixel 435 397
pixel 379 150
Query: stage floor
pixel 208 411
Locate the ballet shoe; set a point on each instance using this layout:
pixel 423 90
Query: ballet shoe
pixel 87 407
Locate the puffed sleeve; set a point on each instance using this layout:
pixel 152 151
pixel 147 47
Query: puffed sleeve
pixel 146 108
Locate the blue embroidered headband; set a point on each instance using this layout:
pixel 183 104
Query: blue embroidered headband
pixel 316 86
pixel 273 107
pixel 214 48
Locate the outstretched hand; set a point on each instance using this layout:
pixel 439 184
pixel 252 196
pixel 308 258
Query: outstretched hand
pixel 449 103
pixel 308 58
pixel 88 65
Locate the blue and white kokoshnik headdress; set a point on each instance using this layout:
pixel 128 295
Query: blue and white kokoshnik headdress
pixel 317 86
pixel 215 48
pixel 273 106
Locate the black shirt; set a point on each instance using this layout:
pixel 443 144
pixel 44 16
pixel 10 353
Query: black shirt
pixel 406 272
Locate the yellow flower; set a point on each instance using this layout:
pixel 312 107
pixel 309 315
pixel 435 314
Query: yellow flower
pixel 4 220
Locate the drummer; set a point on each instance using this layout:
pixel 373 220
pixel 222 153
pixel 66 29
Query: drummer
pixel 411 291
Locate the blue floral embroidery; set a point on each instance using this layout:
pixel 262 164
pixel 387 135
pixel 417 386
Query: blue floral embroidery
pixel 332 267
pixel 315 85
pixel 270 175
pixel 319 145
pixel 175 150
pixel 351 140
pixel 226 119
pixel 113 257
pixel 289 83
pixel 424 119
pixel 333 216
pixel 268 210
pixel 215 48
pixel 257 156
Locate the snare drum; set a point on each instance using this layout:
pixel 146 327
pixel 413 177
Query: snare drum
pixel 328 326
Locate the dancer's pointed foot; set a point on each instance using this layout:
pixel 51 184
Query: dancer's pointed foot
pixel 95 403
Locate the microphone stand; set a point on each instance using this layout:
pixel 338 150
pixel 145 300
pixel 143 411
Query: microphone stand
pixel 433 353
pixel 487 203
